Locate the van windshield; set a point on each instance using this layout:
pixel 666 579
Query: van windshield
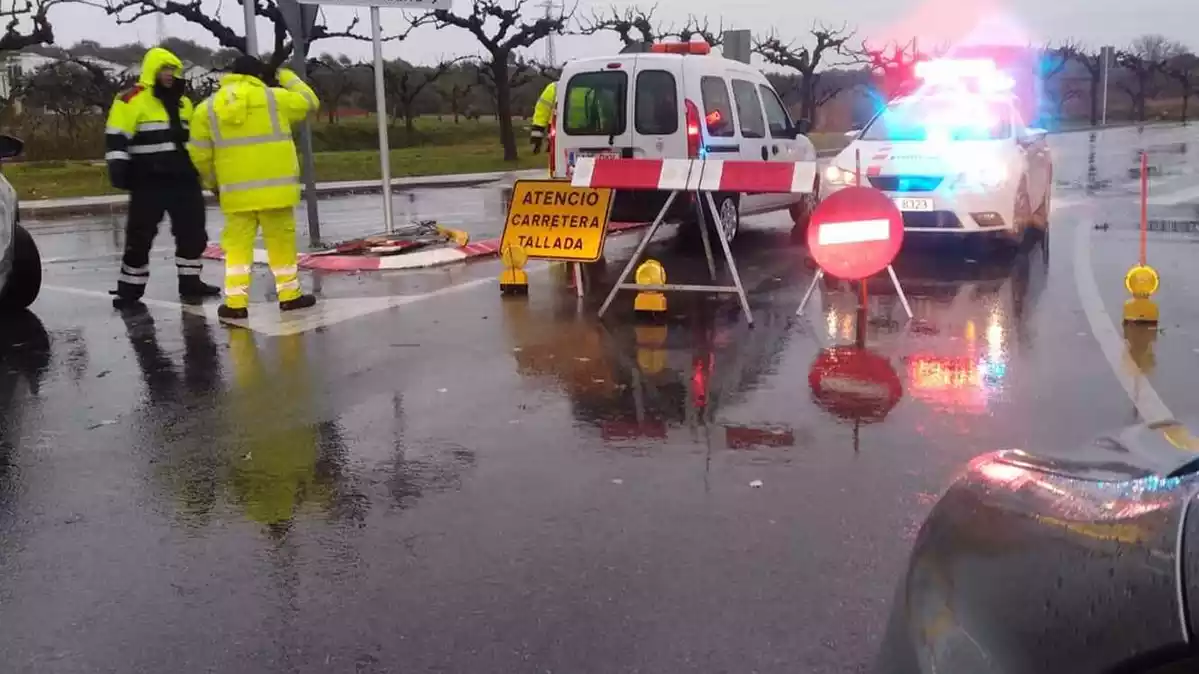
pixel 595 104
pixel 949 118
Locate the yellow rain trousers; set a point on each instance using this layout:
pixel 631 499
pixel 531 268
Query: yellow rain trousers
pixel 241 142
pixel 274 470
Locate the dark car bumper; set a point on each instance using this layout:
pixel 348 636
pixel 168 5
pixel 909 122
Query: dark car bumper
pixel 1033 564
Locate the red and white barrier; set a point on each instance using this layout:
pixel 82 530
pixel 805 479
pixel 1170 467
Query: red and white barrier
pixel 702 177
pixel 696 175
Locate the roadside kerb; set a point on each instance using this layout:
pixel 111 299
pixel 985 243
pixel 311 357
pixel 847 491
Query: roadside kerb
pixel 415 260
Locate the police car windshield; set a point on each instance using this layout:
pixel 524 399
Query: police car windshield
pixel 923 119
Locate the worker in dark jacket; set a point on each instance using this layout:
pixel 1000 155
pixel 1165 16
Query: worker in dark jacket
pixel 146 149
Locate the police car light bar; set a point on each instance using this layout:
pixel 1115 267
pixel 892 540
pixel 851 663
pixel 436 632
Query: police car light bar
pixel 696 48
pixel 956 71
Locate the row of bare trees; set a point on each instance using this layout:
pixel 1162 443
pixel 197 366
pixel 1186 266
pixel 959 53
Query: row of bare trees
pixel 815 65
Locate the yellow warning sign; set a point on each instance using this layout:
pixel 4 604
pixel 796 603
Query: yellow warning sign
pixel 552 220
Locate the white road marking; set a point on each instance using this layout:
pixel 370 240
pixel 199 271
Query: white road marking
pixel 266 318
pixel 1142 394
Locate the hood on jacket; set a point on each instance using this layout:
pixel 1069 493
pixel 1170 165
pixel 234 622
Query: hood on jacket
pixel 156 59
pixel 232 101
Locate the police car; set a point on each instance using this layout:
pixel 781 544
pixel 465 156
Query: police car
pixel 677 101
pixel 955 156
pixel 20 263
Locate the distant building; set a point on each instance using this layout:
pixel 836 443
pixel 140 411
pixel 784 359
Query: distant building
pixel 23 64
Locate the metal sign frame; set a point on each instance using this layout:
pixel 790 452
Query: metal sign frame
pixel 380 92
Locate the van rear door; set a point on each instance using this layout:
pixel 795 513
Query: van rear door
pixel 658 113
pixel 595 113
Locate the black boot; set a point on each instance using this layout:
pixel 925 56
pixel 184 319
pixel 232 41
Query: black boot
pixel 301 302
pixel 226 311
pixel 126 296
pixel 191 287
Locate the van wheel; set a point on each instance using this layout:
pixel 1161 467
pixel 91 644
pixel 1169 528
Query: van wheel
pixel 25 279
pixel 801 215
pixel 727 205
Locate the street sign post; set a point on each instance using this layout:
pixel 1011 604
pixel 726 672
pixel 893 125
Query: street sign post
pixel 852 235
pixel 300 20
pixel 380 93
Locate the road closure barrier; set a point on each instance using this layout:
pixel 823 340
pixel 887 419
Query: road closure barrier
pixel 701 177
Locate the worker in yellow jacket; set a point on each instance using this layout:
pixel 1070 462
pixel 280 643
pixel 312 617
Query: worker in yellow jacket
pixel 146 150
pixel 241 143
pixel 543 113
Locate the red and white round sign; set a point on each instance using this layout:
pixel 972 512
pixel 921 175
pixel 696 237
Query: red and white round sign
pixel 855 233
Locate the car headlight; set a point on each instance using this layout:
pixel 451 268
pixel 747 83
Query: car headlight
pixel 835 175
pixel 986 175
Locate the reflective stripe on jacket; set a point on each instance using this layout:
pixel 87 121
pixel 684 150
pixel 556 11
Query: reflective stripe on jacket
pixel 242 145
pixel 544 109
pixel 139 142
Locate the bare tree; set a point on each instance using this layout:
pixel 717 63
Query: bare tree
pixel 501 29
pixel 455 89
pixel 1184 70
pixel 1053 62
pixel 895 68
pixel 334 79
pixel 197 13
pixel 829 43
pixel 1143 60
pixel 406 83
pixel 1093 62
pixel 632 25
pixel 14 13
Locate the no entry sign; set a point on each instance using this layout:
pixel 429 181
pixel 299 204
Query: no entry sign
pixel 854 384
pixel 855 233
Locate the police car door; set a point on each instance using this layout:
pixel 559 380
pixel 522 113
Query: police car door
pixel 595 112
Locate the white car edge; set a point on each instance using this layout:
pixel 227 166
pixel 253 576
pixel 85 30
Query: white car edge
pixel 20 262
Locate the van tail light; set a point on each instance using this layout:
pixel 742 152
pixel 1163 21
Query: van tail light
pixel 552 144
pixel 692 129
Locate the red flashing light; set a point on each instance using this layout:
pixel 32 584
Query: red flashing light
pixel 692 129
pixel 692 48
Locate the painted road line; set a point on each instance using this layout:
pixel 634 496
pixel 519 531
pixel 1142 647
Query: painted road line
pixel 1142 394
pixel 265 317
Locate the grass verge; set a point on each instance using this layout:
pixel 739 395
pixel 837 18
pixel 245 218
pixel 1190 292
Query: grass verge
pixel 67 179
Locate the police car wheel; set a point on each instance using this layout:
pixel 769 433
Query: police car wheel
pixel 25 278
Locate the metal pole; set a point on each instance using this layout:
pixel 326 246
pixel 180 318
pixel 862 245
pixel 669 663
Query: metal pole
pixel 248 7
pixel 299 63
pixel 1144 207
pixel 1106 67
pixel 381 113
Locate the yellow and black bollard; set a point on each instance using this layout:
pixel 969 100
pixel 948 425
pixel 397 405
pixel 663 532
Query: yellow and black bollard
pixel 514 280
pixel 650 302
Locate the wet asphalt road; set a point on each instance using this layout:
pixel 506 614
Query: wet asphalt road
pixel 420 476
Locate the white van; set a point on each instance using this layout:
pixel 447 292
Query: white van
pixel 678 101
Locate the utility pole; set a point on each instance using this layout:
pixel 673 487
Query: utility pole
pixel 551 54
pixel 248 7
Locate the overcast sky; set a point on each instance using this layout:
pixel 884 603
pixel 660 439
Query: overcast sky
pixel 1092 22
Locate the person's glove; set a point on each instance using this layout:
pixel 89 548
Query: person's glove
pixel 536 136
